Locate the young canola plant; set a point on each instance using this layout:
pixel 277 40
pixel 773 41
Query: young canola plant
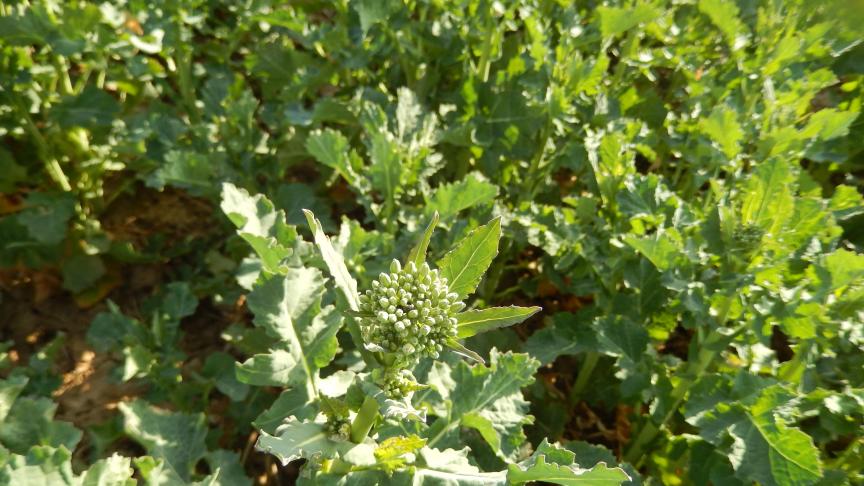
pixel 394 409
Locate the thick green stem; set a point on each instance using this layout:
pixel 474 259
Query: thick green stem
pixel 709 349
pixel 63 75
pixel 52 166
pixel 652 427
pixel 184 74
pixel 364 420
pixel 441 433
pixel 534 177
pixel 486 52
pixel 585 372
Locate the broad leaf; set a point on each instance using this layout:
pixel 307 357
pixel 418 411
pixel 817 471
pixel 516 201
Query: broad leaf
pixel 47 466
pixel 331 149
pixel 660 249
pixel 9 391
pixel 450 199
pixel 289 308
pixel 93 108
pixel 492 398
pixel 295 440
pixel 540 470
pixel 768 200
pixel 260 224
pixel 614 20
pixel 30 421
pixel 177 438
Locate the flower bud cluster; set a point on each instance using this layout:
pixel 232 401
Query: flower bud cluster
pixel 397 384
pixel 338 428
pixel 408 312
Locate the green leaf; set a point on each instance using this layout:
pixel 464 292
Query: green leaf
pixel 295 440
pixel 46 216
pixel 749 431
pixel 461 350
pixel 80 272
pixel 335 262
pixel 723 129
pixel 844 267
pixel 450 199
pixel 846 202
pixel 187 169
pixel 828 124
pixel 492 398
pixel 289 308
pixel 227 469
pixel 53 467
pixel 371 12
pixel 768 200
pixel 540 470
pixel 158 472
pixel 476 321
pixel 113 471
pixel 93 108
pixel 13 173
pixel 659 248
pixel 9 390
pixel 331 148
pixel 221 368
pixel 611 161
pixel 450 466
pixel 620 335
pixel 260 224
pixel 386 169
pixel 465 264
pixel 614 20
pixel 276 368
pixel 294 402
pixel 418 253
pixel 725 15
pixel 767 451
pixel 567 334
pixel 30 421
pixel 177 438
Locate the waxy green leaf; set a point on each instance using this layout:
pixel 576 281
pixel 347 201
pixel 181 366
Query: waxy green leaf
pixel 467 262
pixel 177 438
pixel 476 321
pixel 418 253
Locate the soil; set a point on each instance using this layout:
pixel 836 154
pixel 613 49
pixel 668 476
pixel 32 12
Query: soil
pixel 35 309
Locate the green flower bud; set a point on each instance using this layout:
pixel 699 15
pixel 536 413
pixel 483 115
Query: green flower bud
pixel 410 312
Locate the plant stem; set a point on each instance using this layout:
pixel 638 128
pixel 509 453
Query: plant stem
pixel 184 74
pixel 450 426
pixel 486 52
pixel 649 431
pixel 708 351
pixel 52 166
pixel 585 372
pixel 534 175
pixel 364 420
pixel 63 74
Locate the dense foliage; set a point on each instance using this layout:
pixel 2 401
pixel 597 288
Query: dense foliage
pixel 593 242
